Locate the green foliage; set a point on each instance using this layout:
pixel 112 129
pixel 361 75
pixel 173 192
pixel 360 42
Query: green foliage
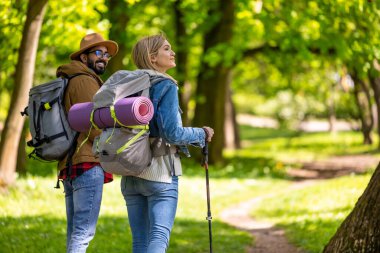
pixel 298 29
pixel 12 17
pixel 308 93
pixel 220 54
pixel 287 108
pixel 65 23
pixel 340 32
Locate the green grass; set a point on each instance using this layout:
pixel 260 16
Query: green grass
pixel 32 214
pixel 291 147
pixel 310 216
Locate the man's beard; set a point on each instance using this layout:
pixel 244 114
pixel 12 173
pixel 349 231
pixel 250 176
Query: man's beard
pixel 99 70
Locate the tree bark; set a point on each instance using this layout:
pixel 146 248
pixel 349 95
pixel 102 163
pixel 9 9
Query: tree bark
pixel 213 80
pixel 363 102
pixel 331 109
pixel 21 156
pixel 23 82
pixel 232 137
pixel 118 17
pixel 375 84
pixel 360 231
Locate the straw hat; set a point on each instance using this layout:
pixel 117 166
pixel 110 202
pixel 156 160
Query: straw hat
pixel 93 40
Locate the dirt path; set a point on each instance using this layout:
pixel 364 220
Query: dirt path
pixel 268 238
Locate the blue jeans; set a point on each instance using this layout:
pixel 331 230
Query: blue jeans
pixel 151 211
pixel 83 198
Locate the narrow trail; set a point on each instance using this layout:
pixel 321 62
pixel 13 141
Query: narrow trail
pixel 268 238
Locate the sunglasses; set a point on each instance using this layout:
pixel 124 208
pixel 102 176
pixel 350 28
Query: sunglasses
pixel 100 54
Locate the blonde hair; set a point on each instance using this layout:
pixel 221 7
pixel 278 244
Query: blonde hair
pixel 144 49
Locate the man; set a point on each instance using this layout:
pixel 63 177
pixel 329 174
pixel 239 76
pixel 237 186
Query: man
pixel 83 180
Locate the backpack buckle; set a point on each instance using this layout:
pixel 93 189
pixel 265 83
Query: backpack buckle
pixel 25 112
pixel 29 143
pixel 47 139
pixel 47 106
pixel 31 154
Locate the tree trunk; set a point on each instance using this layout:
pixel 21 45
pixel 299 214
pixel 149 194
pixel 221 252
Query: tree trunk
pixel 21 156
pixel 182 61
pixel 331 109
pixel 232 138
pixel 360 231
pixel 363 102
pixel 213 80
pixel 24 76
pixel 118 17
pixel 375 84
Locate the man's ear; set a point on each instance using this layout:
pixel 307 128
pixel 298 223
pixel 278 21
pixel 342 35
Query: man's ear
pixel 83 58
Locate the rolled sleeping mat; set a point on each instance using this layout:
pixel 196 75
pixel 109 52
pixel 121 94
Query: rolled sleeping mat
pixel 79 116
pixel 129 112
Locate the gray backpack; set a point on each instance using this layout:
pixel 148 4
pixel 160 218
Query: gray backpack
pixel 126 150
pixel 51 134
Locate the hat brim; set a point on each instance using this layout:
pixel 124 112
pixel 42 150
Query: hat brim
pixel 111 46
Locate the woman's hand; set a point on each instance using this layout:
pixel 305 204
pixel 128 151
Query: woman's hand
pixel 209 133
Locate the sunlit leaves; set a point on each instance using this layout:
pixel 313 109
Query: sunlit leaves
pixel 309 34
pixel 221 54
pixel 304 33
pixel 12 18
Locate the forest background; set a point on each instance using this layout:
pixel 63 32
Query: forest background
pixel 288 60
pixel 291 61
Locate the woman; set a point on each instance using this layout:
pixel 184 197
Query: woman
pixel 152 196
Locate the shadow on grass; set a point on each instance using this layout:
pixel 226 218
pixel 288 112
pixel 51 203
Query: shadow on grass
pixel 193 236
pixel 375 151
pixel 35 234
pixel 310 231
pixel 256 133
pixel 40 168
pixel 32 234
pixel 318 231
pixel 258 160
pixel 238 167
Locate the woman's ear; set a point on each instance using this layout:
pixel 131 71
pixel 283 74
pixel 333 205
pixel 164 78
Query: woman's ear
pixel 153 58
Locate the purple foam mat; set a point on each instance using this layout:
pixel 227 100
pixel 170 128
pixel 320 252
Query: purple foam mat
pixel 129 111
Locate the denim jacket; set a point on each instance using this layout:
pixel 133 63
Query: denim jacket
pixel 167 121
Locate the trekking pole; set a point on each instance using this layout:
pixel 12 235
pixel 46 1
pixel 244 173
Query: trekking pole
pixel 209 218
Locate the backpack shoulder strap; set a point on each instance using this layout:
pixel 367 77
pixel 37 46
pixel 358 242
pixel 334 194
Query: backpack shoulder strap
pixel 153 81
pixel 70 154
pixel 69 77
pixel 67 81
